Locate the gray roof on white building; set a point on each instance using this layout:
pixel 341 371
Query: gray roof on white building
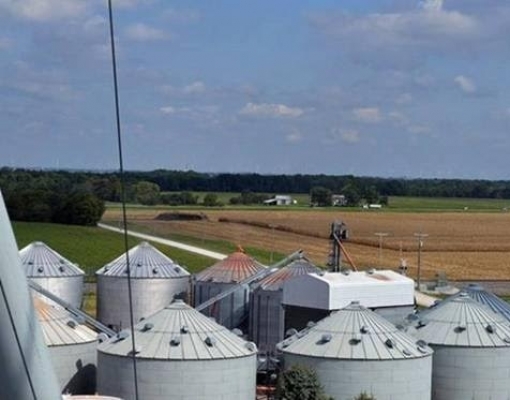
pixel 462 322
pixel 41 261
pixel 59 327
pixel 179 332
pixel 145 261
pixel 356 333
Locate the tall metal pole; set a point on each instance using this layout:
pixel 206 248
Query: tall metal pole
pixel 420 237
pixel 381 235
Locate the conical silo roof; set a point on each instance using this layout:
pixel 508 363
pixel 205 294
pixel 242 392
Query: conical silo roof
pixel 479 294
pixel 298 267
pixel 179 332
pixel 233 269
pixel 59 327
pixel 462 322
pixel 356 333
pixel 146 262
pixel 41 261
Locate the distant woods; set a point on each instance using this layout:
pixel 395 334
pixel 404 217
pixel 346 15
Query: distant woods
pixel 77 197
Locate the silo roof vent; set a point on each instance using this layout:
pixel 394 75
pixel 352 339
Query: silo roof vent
pixel 121 336
pixel 490 328
pixel 390 343
pixel 147 327
pixel 210 341
pixel 459 328
pixel 175 341
pixel 71 324
pixel 184 329
pixel 326 338
pixel 364 329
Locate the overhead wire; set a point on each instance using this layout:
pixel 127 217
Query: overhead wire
pixel 123 198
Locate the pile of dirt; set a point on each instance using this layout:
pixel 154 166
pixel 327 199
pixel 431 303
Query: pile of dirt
pixel 179 216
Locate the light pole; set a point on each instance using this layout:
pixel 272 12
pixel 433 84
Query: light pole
pixel 380 235
pixel 420 237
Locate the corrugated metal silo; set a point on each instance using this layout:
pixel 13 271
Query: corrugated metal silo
pixel 53 272
pixel 180 355
pixel 479 294
pixel 267 318
pixel 72 346
pixel 155 281
pixel 27 373
pixel 355 350
pixel 233 310
pixel 471 350
pixel 96 397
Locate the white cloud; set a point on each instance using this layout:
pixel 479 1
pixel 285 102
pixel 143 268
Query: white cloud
pixel 194 88
pixel 404 98
pixel 168 110
pixel 45 10
pixel 145 33
pixel 350 136
pixel 465 84
pixel 271 110
pixel 294 137
pixel 370 115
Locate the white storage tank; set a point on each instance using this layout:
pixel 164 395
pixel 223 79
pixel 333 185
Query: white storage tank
pixel 53 272
pixel 232 310
pixel 267 316
pixel 155 281
pixel 471 350
pixel 72 346
pixel 355 350
pixel 180 355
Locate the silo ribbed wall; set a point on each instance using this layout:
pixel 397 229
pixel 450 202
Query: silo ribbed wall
pixel 75 367
pixel 230 311
pixel 266 319
pixel 228 379
pixel 149 296
pixel 68 288
pixel 463 373
pixel 384 379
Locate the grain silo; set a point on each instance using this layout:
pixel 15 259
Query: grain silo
pixel 72 346
pixel 155 281
pixel 180 355
pixel 27 373
pixel 355 350
pixel 471 350
pixel 267 317
pixel 233 310
pixel 85 397
pixel 53 272
pixel 481 295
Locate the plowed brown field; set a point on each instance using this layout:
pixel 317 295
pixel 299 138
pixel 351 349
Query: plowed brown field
pixel 465 245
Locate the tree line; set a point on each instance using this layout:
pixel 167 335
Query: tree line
pixel 50 195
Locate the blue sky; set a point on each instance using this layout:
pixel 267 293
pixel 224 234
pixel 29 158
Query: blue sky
pixel 381 88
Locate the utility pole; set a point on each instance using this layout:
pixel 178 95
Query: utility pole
pixel 380 235
pixel 420 237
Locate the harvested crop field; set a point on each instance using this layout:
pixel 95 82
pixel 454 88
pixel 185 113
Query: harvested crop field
pixel 466 245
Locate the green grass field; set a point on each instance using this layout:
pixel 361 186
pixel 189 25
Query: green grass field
pixel 446 204
pixel 91 247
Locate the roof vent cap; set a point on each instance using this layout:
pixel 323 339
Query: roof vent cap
pixel 250 346
pixel 459 329
pixel 356 339
pixel 326 338
pixel 291 332
pixel 490 328
pixel 147 327
pixel 102 337
pixel 71 324
pixel 390 343
pixel 237 332
pixel 175 341
pixel 30 262
pixel 406 352
pixel 310 324
pixel 371 271
pixel 184 329
pixel 155 270
pixel 364 329
pixel 122 335
pixel 40 269
pixel 210 341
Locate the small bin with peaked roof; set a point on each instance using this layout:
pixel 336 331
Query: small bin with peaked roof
pixel 155 281
pixel 53 272
pixel 180 355
pixel 267 316
pixel 355 350
pixel 233 310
